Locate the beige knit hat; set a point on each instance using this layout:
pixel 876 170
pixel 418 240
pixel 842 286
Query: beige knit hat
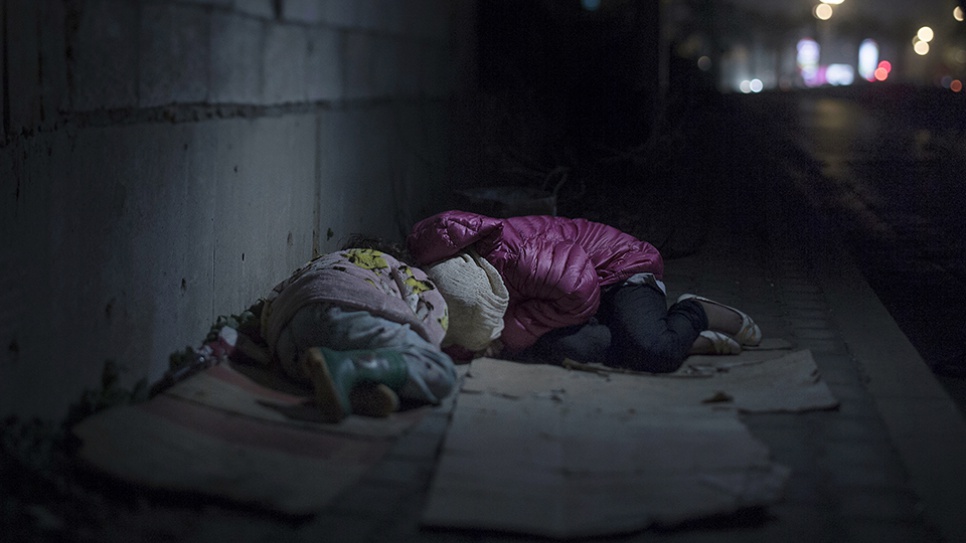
pixel 476 297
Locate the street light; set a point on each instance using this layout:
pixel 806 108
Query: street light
pixel 823 12
pixel 920 44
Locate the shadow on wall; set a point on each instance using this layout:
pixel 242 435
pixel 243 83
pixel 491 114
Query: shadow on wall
pixel 561 83
pixel 573 107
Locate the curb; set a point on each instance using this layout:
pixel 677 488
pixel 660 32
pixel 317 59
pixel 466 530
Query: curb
pixel 923 422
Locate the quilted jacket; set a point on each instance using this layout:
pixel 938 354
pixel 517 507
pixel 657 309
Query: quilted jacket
pixel 553 267
pixel 363 279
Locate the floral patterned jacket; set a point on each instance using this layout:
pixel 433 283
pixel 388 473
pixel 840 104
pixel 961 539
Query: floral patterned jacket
pixel 364 279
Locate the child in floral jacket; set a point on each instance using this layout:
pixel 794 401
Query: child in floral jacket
pixel 364 328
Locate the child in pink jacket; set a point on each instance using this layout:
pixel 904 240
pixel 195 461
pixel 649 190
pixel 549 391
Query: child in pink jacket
pixel 581 290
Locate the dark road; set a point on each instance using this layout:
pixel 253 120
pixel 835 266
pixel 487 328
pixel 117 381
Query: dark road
pixel 886 166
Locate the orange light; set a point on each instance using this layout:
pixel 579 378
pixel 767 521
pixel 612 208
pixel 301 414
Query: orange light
pixel 881 74
pixel 956 85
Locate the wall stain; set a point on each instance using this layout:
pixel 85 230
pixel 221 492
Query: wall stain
pixel 109 309
pixel 71 30
pixel 5 75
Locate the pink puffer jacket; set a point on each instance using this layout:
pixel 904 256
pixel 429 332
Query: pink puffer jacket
pixel 553 267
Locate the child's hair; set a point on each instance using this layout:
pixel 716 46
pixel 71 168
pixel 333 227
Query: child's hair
pixel 362 241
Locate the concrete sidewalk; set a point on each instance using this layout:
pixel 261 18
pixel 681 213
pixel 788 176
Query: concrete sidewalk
pixel 883 467
pixel 865 472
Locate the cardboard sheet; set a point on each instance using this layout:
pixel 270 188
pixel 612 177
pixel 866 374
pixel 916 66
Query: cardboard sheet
pixel 260 394
pixel 553 452
pixel 221 433
pixel 758 381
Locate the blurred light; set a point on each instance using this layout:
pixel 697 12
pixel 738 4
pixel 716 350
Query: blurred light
pixel 823 12
pixel 808 55
pixel 745 86
pixel 885 65
pixel 590 5
pixel 756 85
pixel 925 34
pixel 881 74
pixel 814 77
pixel 958 13
pixel 704 63
pixel 840 74
pixel 921 48
pixel 834 2
pixel 868 59
pixel 956 85
pixel 808 50
pixel 946 81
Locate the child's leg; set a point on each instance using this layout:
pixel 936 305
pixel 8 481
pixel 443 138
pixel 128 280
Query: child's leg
pixel 431 374
pixel 586 343
pixel 646 334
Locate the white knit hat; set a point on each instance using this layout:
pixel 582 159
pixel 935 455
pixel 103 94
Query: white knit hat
pixel 476 297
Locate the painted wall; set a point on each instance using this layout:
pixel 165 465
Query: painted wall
pixel 165 162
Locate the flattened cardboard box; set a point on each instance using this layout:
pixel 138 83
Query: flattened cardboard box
pixel 548 451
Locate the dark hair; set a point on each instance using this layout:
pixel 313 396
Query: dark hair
pixel 362 241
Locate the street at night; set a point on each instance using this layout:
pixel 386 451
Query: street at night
pixel 885 164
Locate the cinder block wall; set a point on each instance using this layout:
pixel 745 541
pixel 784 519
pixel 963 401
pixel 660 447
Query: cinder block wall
pixel 165 162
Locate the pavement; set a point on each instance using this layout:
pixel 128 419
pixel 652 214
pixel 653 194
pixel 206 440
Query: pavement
pixel 886 466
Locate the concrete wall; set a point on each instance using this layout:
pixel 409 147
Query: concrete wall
pixel 165 162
